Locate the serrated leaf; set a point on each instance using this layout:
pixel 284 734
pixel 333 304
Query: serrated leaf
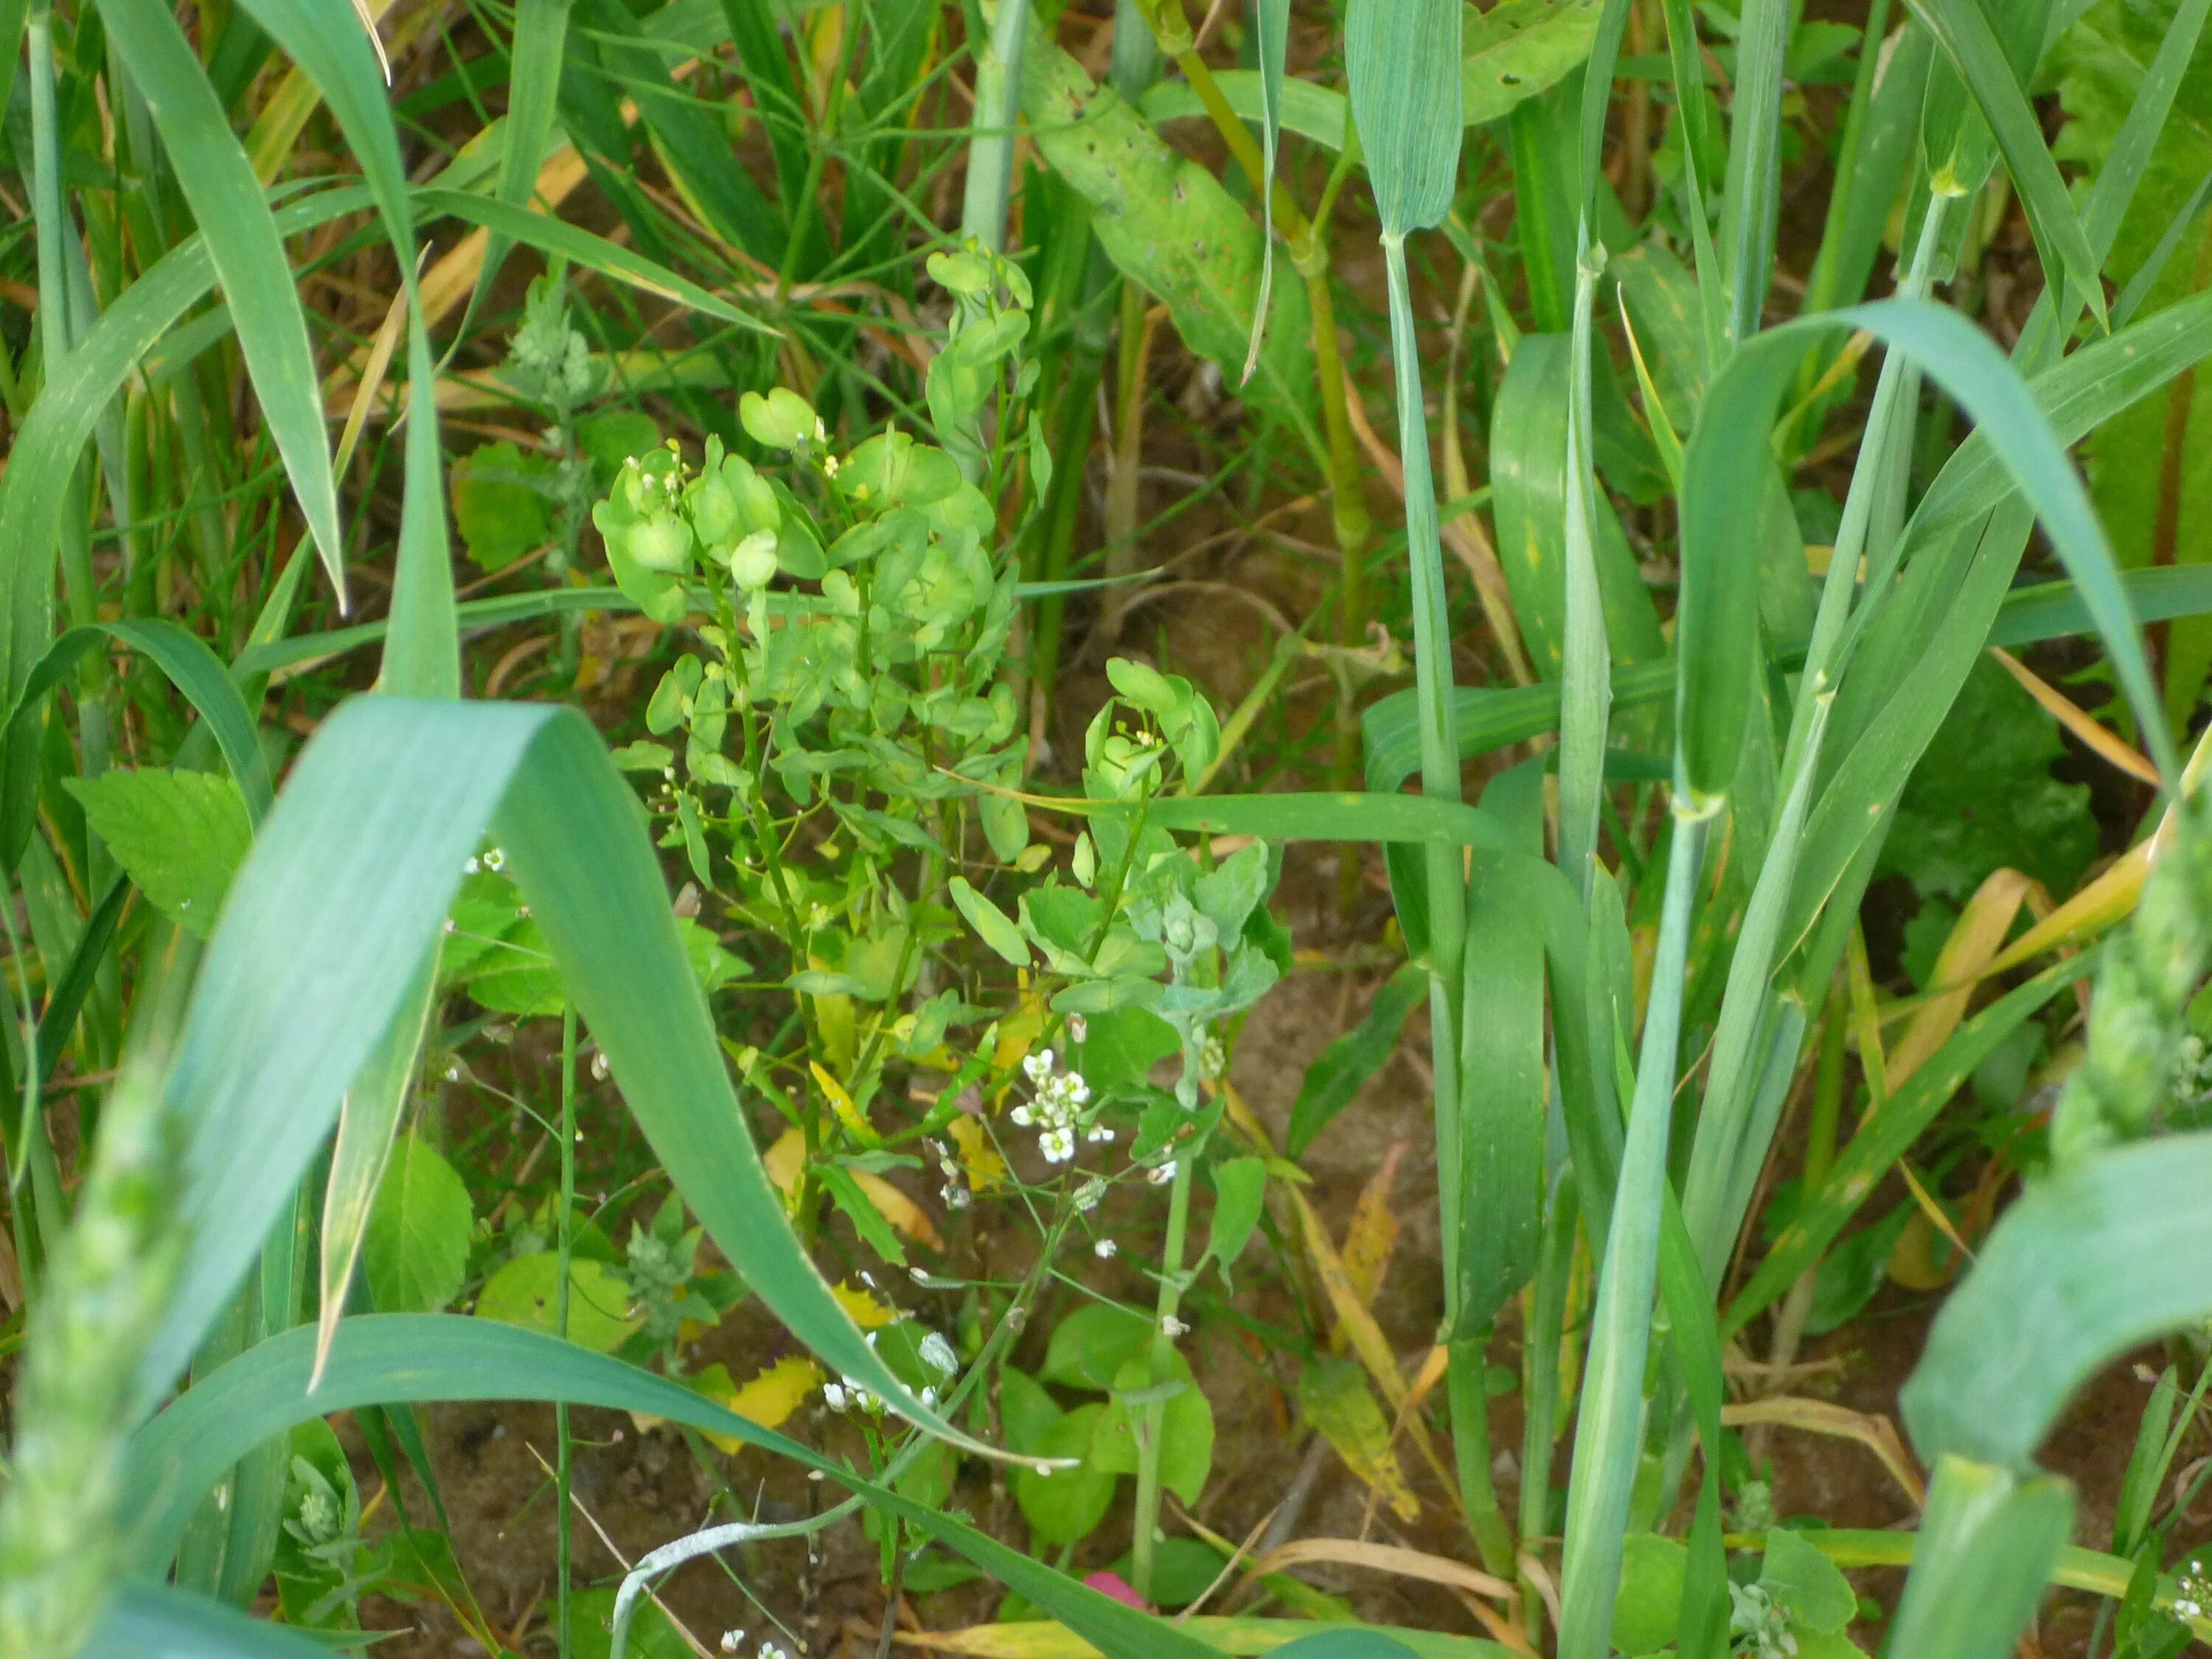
pixel 180 836
pixel 500 503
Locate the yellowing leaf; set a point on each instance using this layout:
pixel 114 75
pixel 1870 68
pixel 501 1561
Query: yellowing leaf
pixel 863 1308
pixel 1336 1400
pixel 901 1211
pixel 768 1398
pixel 783 1162
pixel 978 1157
pixel 1018 1032
pixel 1373 1233
pixel 841 1102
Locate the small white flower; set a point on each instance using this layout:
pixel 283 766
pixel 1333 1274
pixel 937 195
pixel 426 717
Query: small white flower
pixel 956 1196
pixel 1079 1029
pixel 450 924
pixel 929 1397
pixel 1172 1327
pixel 1105 1249
pixel 470 868
pixel 1098 1134
pixel 1037 1066
pixel 600 1070
pixel 821 432
pixel 1213 1060
pixel 1022 1116
pixel 833 1395
pixel 2185 1608
pixel 495 860
pixel 1160 1174
pixel 730 1638
pixel 937 1354
pixel 1057 1145
pixel 829 466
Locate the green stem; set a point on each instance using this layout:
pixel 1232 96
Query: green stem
pixel 1468 1388
pixel 564 1541
pixel 1153 1421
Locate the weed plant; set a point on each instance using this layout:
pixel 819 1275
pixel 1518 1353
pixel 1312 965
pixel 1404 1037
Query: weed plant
pixel 782 450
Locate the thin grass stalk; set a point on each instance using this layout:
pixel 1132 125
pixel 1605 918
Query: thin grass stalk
pixel 564 1444
pixel 1608 1429
pixel 1586 668
pixel 1145 1519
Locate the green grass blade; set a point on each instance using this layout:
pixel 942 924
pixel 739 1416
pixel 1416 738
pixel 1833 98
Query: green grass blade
pixel 1730 442
pixel 533 92
pixel 421 1358
pixel 1889 1135
pixel 346 886
pixel 990 181
pixel 1724 1113
pixel 1988 1543
pixel 369 1122
pixel 1413 818
pixel 1968 38
pixel 145 1621
pixel 2054 610
pixel 2077 395
pixel 423 644
pixel 1609 1422
pixel 1586 668
pixel 1401 60
pixel 2086 1265
pixel 1497 1167
pixel 218 181
pixel 1271 21
pixel 1751 199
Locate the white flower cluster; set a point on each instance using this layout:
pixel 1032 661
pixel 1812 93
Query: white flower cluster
pixel 2192 1592
pixel 1059 1102
pixel 734 1640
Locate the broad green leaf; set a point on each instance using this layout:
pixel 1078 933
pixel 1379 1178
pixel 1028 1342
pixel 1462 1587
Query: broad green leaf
pixel 501 504
pixel 386 1358
pixel 526 1292
pixel 1987 1540
pixel 347 886
pixel 1402 58
pixel 1648 1609
pixel 1240 1192
pixel 1065 1506
pixel 1170 226
pixel 990 923
pixel 1345 1064
pixel 417 1248
pixel 1519 48
pixel 210 167
pixel 179 835
pixel 1090 1345
pixel 1186 1428
pixel 1818 1597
